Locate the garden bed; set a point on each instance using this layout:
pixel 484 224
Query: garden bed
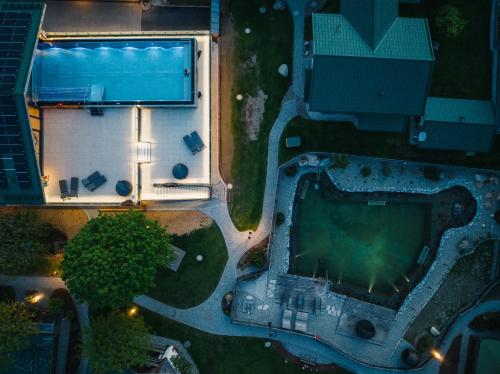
pixel 463 285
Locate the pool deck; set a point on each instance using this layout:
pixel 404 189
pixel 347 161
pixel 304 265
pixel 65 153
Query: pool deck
pixel 75 144
pixel 335 324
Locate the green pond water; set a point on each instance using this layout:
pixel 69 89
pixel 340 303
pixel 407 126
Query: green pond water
pixel 489 357
pixel 369 246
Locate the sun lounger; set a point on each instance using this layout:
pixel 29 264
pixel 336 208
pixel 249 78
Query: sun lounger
pixel 90 178
pixel 286 322
pixel 73 190
pixel 190 144
pixel 63 187
pixel 195 137
pixel 301 319
pixel 97 183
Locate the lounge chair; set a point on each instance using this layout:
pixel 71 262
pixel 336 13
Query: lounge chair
pixel 97 183
pixel 286 321
pixel 90 178
pixel 190 144
pixel 197 140
pixel 63 187
pixel 73 190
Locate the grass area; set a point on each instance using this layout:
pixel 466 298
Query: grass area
pixel 462 286
pixel 270 41
pixel 463 65
pixel 218 354
pixel 194 281
pixel 343 137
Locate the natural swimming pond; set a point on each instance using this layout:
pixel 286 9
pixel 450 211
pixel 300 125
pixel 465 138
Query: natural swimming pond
pixel 369 246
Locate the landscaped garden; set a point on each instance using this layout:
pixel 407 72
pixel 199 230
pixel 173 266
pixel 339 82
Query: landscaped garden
pixel 464 283
pixel 256 58
pixel 343 137
pixel 226 354
pixel 194 281
pixel 32 238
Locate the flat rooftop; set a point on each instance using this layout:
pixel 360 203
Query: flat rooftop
pixel 76 144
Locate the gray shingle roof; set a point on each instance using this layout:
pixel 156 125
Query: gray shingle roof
pixel 478 112
pixel 407 38
pixel 457 124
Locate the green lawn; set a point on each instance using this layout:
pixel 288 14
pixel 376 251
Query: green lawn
pixel 463 65
pixel 194 281
pixel 343 137
pixel 216 354
pixel 271 42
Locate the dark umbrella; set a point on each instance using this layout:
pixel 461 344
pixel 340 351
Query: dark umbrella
pixel 365 329
pixel 123 188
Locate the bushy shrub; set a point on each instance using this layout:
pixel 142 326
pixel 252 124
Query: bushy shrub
pixel 339 162
pixel 280 218
pixel 257 258
pixel 449 21
pixel 22 234
pixel 432 173
pixel 366 171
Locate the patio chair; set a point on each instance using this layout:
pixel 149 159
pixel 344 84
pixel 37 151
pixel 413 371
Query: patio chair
pixel 190 144
pixel 197 140
pixel 97 183
pixel 286 321
pixel 90 178
pixel 63 187
pixel 73 190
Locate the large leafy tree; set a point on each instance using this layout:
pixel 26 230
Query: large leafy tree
pixel 116 342
pixel 114 258
pixel 22 233
pixel 15 328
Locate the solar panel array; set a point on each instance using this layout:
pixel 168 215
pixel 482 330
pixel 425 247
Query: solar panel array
pixel 14 28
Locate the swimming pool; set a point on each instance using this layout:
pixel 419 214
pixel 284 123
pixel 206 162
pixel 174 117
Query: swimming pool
pixel 115 72
pixel 370 246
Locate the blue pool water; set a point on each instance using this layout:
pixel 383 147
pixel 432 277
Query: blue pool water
pixel 114 72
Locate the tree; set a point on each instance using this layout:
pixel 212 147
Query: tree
pixel 114 258
pixel 449 21
pixel 16 325
pixel 21 233
pixel 116 342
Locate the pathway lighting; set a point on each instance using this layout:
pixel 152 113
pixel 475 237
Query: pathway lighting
pixel 132 311
pixel 437 355
pixel 35 298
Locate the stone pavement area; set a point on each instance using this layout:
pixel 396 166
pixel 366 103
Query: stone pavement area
pixel 385 348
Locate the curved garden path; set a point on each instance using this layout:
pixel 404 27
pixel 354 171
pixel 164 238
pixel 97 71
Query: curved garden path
pixel 207 316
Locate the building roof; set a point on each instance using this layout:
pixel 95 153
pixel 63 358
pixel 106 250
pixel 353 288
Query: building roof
pixel 371 18
pixel 407 38
pixel 369 85
pixel 477 112
pixel 19 174
pixel 456 124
